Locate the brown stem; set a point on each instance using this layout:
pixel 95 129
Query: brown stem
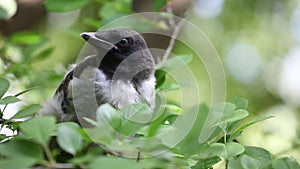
pixel 172 41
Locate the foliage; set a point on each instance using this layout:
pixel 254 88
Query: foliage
pixel 40 141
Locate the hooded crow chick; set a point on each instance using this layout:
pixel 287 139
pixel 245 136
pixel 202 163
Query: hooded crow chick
pixel 121 73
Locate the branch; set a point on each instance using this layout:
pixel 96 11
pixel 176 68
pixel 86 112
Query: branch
pixel 60 166
pixel 172 41
pixel 170 11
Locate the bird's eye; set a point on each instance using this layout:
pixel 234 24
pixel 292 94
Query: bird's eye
pixel 124 42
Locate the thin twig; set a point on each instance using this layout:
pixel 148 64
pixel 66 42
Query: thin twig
pixel 4 108
pixel 60 166
pixel 172 41
pixel 170 11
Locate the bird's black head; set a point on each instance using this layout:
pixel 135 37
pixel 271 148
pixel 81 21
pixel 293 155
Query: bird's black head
pixel 121 49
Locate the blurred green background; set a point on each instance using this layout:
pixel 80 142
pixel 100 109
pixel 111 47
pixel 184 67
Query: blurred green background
pixel 258 42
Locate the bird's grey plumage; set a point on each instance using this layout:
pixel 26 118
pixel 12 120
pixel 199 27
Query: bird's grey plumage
pixel 121 73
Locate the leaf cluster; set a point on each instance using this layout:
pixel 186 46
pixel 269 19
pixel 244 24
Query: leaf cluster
pixel 135 138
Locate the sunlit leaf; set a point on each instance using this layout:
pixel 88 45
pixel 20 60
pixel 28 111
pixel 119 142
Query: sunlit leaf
pixel 173 108
pixel 26 38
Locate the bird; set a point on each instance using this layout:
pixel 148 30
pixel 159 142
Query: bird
pixel 121 73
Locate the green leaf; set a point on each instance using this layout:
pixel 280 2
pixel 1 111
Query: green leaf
pixel 21 148
pixel 104 137
pixel 255 157
pixel 84 158
pixel 27 111
pixel 173 108
pixel 20 154
pixel 243 127
pixel 25 91
pixel 43 54
pixel 227 150
pixel 192 143
pixel 69 138
pixel 112 10
pixel 27 38
pixel 240 102
pixel 160 76
pixel 174 62
pixel 285 163
pixel 17 163
pixel 234 164
pixel 39 128
pixel 158 4
pixel 107 115
pixel 248 163
pixel 206 163
pixel 10 99
pixel 4 85
pixel 8 8
pixel 65 5
pixel 234 149
pixel 135 116
pixel 137 112
pixel 2 101
pixel 112 162
pixel 233 116
pixel 92 122
pixel 258 153
pixel 95 23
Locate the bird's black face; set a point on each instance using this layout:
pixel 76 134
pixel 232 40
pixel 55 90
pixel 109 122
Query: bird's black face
pixel 115 46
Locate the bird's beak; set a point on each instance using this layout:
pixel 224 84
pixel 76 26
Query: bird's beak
pixel 96 41
pixel 86 35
